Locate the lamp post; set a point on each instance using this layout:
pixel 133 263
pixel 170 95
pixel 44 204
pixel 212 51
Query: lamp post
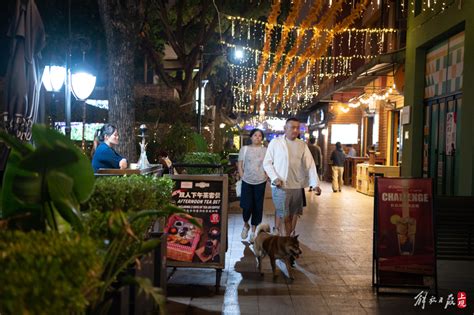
pixel 201 49
pixel 80 81
pixel 238 55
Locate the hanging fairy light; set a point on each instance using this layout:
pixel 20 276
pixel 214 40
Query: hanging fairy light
pixel 370 99
pixel 291 77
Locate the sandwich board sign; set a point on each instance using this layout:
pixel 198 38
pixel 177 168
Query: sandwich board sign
pixel 404 247
pixel 205 199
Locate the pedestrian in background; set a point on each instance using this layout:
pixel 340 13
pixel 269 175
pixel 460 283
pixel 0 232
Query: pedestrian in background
pixel 254 180
pixel 337 158
pixel 317 156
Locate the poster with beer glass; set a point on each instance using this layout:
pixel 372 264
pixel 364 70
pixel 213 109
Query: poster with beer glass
pixel 198 238
pixel 404 250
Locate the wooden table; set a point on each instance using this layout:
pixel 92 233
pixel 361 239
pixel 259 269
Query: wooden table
pixel 154 169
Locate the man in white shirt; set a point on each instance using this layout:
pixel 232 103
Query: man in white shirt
pixel 290 167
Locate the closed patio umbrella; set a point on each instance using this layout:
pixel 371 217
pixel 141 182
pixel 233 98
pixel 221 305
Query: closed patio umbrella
pixel 23 82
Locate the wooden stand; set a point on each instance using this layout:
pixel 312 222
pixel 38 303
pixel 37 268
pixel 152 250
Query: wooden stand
pixel 350 168
pixel 366 176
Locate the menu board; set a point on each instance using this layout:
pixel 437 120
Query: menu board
pixel 404 237
pixel 201 243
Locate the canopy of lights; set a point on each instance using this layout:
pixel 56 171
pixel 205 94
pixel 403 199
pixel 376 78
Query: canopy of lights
pixel 280 62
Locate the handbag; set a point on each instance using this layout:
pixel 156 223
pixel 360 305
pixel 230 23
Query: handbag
pixel 238 188
pixel 238 184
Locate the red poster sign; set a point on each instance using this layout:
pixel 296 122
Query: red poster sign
pixel 404 227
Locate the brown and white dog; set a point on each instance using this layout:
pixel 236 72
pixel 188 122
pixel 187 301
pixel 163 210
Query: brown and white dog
pixel 286 248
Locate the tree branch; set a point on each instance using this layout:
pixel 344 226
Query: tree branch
pixel 179 20
pixel 171 38
pixel 192 21
pixel 158 63
pixel 208 33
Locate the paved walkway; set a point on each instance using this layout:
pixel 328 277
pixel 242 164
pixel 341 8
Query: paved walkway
pixel 333 275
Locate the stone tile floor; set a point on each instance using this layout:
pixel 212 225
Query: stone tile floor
pixel 333 276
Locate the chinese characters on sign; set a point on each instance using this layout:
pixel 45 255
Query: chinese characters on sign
pixel 199 202
pixel 202 242
pixel 422 300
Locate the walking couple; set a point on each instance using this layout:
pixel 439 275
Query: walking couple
pixel 289 165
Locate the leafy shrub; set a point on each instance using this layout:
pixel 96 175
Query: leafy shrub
pixel 43 185
pixel 118 215
pixel 129 193
pixel 200 143
pixel 178 140
pixel 47 273
pixel 202 158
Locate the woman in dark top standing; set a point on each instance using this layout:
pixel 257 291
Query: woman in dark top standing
pixel 105 155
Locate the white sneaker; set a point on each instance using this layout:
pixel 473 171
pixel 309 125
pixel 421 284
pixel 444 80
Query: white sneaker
pixel 245 232
pixel 252 237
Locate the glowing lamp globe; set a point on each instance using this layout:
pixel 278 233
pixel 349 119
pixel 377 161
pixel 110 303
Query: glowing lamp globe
pixel 82 84
pixel 53 78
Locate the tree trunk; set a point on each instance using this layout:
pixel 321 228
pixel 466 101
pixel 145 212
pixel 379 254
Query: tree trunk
pixel 121 23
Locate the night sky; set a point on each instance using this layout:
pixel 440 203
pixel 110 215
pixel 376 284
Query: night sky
pixel 5 16
pixel 85 23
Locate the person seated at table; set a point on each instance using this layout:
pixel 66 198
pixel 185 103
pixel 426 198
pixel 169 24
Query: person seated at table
pixel 104 155
pixel 166 162
pixel 351 152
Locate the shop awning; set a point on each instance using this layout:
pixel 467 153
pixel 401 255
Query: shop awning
pixel 355 84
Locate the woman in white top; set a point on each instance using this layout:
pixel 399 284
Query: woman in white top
pixel 254 180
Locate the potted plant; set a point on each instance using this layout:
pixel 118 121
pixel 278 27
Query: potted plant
pixel 43 189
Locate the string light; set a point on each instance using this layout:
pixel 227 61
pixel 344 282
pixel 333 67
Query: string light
pixel 250 21
pixel 285 81
pixel 370 99
pixel 430 5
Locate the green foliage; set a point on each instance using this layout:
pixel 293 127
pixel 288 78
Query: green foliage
pixel 177 140
pixel 202 158
pixel 47 273
pixel 124 242
pixel 129 193
pixel 119 213
pixel 42 190
pixel 200 143
pixel 147 288
pixel 43 186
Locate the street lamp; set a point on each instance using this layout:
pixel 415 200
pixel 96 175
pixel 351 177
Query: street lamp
pixel 53 78
pixel 81 83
